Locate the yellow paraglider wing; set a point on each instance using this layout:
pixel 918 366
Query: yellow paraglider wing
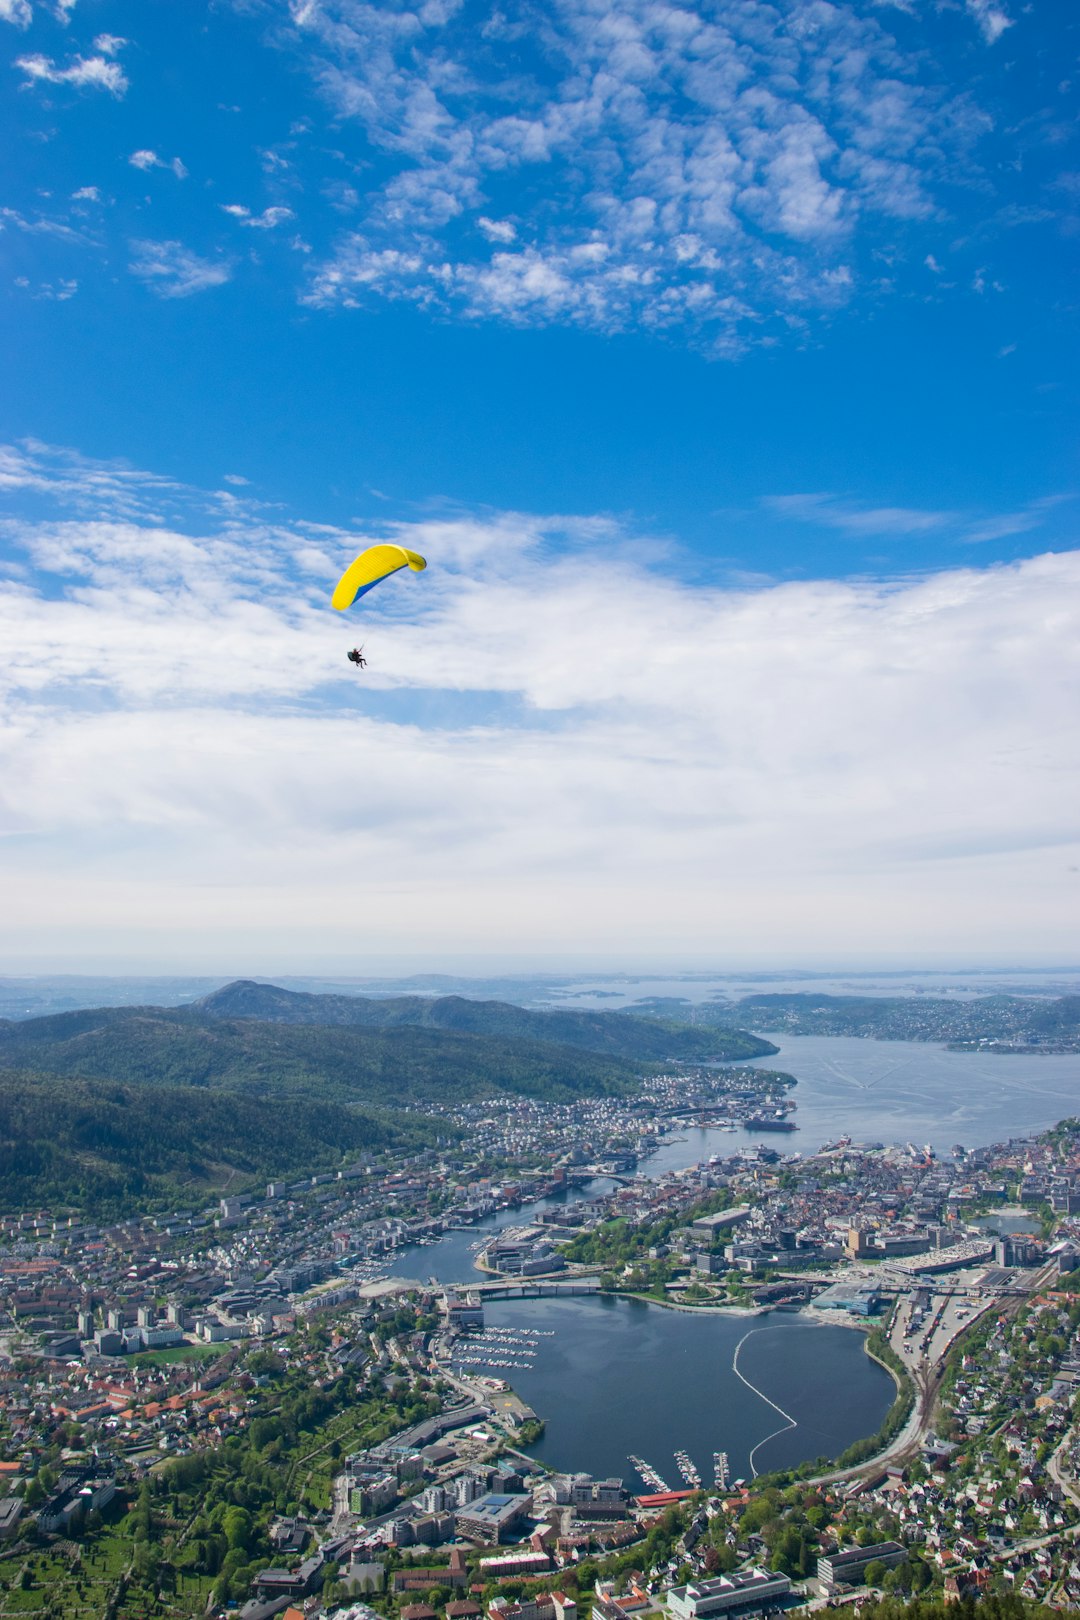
pixel 369 569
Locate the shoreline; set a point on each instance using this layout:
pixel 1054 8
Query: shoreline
pixel 692 1310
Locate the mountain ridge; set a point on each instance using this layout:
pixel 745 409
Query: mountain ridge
pixel 616 1034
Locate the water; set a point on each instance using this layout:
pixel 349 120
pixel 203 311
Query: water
pixel 452 1258
pixel 631 989
pixel 1008 1223
pixel 622 1377
pixel 900 1091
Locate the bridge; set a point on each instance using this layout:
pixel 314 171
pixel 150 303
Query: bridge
pixel 528 1288
pixel 581 1173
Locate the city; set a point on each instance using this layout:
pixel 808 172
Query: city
pixel 154 1364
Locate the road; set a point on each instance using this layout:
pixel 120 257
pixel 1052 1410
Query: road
pixel 925 1356
pixel 1059 1471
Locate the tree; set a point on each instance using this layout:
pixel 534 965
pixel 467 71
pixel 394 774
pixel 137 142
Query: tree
pixel 875 1572
pixel 237 1527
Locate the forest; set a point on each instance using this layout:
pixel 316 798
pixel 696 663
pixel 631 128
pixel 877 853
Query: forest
pixel 106 1148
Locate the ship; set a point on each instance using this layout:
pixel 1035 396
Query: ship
pixel 769 1122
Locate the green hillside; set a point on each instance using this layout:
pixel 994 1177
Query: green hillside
pixel 106 1148
pixel 184 1047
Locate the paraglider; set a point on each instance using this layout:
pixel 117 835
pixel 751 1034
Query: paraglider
pixel 364 573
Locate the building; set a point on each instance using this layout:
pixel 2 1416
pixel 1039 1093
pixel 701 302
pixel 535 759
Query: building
pixel 711 1226
pixel 849 1568
pixel 525 1562
pixel 857 1243
pixel 746 1592
pixel 71 1500
pixel 544 1606
pixel 598 1498
pixel 859 1299
pixel 491 1517
pixel 463 1313
pixel 11 1508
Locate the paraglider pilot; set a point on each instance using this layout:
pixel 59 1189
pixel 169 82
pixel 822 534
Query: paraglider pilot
pixel 357 657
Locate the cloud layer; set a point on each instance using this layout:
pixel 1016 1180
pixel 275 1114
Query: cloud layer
pixel 728 173
pixel 560 743
pixel 633 161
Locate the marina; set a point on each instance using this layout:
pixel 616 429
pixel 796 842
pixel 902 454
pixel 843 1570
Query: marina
pixel 655 1481
pixel 505 1348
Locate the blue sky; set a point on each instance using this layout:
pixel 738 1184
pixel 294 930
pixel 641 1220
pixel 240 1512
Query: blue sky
pixel 722 358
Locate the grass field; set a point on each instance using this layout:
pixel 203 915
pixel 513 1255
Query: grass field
pixel 179 1352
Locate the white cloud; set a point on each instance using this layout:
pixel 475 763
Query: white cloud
pixel 268 220
pixel 90 72
pixel 992 19
pixel 16 11
pixel 497 230
pixel 146 159
pixel 829 512
pixel 729 161
pixel 556 745
pixel 86 194
pixel 1000 525
pixel 52 291
pixel 174 271
pixel 109 44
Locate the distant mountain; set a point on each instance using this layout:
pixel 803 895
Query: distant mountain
pixel 1013 1023
pixel 616 1034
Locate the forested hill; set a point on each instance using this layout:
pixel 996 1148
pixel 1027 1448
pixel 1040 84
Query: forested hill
pixel 386 1068
pixel 108 1108
pixel 617 1034
pixel 109 1149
